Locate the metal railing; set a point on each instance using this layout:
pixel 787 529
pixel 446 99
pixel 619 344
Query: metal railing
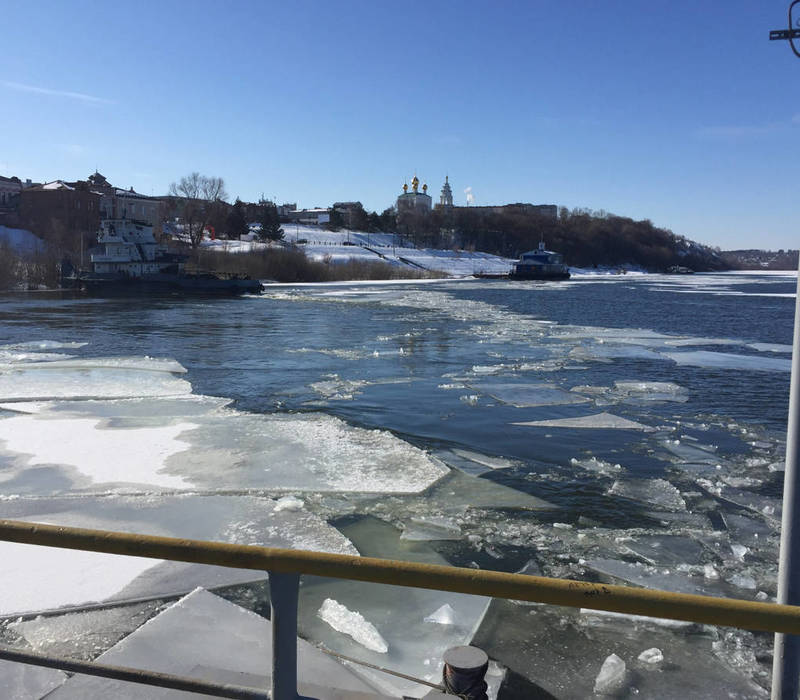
pixel 285 566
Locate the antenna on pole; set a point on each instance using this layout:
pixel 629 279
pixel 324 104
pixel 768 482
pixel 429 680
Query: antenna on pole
pixel 790 34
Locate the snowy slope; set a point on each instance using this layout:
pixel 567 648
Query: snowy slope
pixel 20 240
pixel 341 246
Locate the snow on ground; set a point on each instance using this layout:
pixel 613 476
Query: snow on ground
pixel 20 240
pixel 342 246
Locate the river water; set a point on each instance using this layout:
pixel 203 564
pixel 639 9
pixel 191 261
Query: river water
pixel 613 428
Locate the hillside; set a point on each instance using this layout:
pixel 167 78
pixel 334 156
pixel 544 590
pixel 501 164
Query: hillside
pixel 761 259
pixel 587 240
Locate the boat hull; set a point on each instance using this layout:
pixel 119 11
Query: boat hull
pixel 534 275
pixel 163 284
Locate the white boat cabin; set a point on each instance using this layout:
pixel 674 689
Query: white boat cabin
pixel 129 248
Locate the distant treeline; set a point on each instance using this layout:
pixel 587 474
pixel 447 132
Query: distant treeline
pixel 586 239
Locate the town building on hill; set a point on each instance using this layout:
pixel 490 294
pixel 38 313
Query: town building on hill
pixel 351 214
pixel 310 217
pixel 60 210
pixel 118 203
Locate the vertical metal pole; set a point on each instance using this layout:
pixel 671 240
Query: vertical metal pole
pixel 786 661
pixel 283 592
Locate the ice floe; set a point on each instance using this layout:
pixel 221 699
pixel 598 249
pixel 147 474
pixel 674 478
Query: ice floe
pixel 603 420
pixel 722 360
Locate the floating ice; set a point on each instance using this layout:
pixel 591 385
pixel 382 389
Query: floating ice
pixel 290 503
pixel 309 452
pixel 646 392
pixel 593 464
pixel 336 389
pixel 770 347
pixel 28 582
pixel 739 551
pixel 651 656
pixel 658 492
pixel 665 550
pixel 48 577
pixel 203 636
pixel 100 455
pixel 604 420
pixel 144 364
pixel 611 678
pixel 529 395
pixel 473 462
pixel 43 345
pixel 353 624
pixel 24 682
pixel 589 613
pixel 42 380
pixel 444 615
pixel 743 581
pixel 431 528
pixel 721 360
pixel 643 575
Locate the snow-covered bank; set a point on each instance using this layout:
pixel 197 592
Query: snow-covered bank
pixel 20 241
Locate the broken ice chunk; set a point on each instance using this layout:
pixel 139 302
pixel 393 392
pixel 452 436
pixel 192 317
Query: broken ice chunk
pixel 648 392
pixel 445 615
pixel 611 678
pixel 651 656
pixel 290 503
pixel 743 581
pixel 352 624
pixel 739 550
pixel 658 492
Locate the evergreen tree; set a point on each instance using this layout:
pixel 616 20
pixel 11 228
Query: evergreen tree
pixel 237 223
pixel 270 223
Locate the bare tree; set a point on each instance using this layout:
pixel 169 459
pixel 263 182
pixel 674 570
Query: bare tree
pixel 197 197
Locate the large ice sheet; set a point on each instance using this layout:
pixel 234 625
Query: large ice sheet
pixel 528 395
pixel 203 636
pixel 23 682
pixel 25 381
pixel 723 360
pixel 99 455
pixel 29 583
pixel 84 576
pixel 310 452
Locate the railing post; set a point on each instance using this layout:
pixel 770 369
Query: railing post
pixel 283 592
pixel 786 659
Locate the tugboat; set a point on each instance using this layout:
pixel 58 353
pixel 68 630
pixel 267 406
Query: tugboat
pixel 540 264
pixel 128 261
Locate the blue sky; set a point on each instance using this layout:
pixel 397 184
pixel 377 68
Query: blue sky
pixel 680 112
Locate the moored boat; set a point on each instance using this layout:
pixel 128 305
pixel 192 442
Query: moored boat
pixel 129 261
pixel 540 264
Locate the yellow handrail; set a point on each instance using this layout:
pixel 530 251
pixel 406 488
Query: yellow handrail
pixel 768 617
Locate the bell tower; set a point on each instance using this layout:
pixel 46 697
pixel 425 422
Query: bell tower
pixel 446 198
